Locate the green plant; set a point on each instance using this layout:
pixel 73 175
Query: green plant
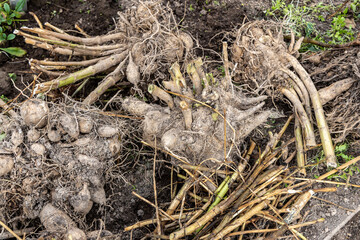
pixel 342 156
pixel 7 19
pixel 302 19
pixel 191 8
pixel 5 99
pixel 12 76
pixel 339 33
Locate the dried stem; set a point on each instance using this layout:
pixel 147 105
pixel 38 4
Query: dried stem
pixel 81 74
pixel 308 130
pixel 318 109
pixel 299 147
pixel 109 81
pixel 87 41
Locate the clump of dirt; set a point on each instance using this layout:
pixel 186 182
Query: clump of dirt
pixel 56 157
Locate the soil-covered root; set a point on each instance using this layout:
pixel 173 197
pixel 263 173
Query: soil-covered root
pixel 264 58
pixel 53 163
pixel 145 42
pixel 192 127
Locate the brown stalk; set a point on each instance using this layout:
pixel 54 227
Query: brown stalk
pixel 238 222
pixel 109 81
pixel 299 147
pixel 79 63
pixel 175 203
pixel 81 74
pixel 87 41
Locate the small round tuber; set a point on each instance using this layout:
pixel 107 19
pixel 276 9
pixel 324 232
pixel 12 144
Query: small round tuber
pixel 34 113
pixel 132 72
pixel 54 136
pixel 70 125
pixel 55 220
pixel 98 195
pixel 85 125
pixel 17 137
pixel 114 145
pixel 6 164
pixel 107 131
pixel 75 234
pixel 33 135
pixel 37 149
pixel 81 202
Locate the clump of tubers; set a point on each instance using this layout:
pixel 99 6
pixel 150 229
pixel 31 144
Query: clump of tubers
pixel 192 126
pixel 72 149
pixel 261 43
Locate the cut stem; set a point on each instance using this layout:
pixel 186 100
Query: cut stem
pixel 299 147
pixel 308 130
pixel 81 74
pixel 158 92
pixel 318 109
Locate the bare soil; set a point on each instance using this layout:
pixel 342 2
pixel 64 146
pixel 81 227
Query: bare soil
pixel 208 23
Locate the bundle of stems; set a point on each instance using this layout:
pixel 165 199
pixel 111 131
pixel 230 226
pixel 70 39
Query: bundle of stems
pixel 266 195
pixel 135 48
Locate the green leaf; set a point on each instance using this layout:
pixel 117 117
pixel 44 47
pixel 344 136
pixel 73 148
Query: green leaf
pixel 7 8
pixel 20 5
pixel 15 51
pixel 353 7
pixel 10 36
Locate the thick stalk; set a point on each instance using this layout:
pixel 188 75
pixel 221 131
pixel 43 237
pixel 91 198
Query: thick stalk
pixel 308 130
pixel 303 89
pixel 318 109
pixel 299 147
pixel 238 222
pixel 81 74
pixel 109 81
pixel 69 44
pixel 195 78
pixel 87 41
pixel 79 63
pixel 158 92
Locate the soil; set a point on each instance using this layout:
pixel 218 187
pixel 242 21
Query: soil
pixel 208 24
